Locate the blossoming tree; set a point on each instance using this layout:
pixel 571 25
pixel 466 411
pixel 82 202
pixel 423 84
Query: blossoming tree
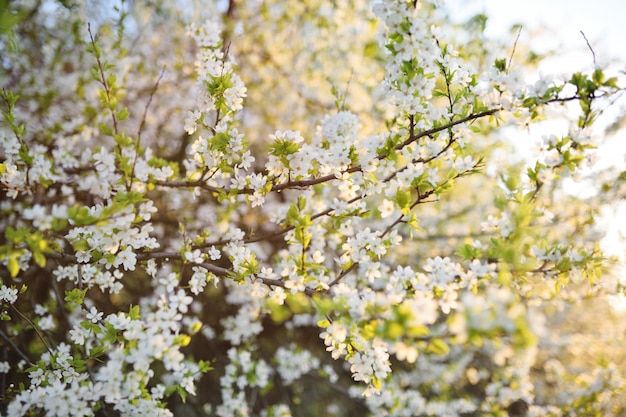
pixel 293 208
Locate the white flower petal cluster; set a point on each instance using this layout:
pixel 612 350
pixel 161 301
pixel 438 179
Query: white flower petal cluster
pixel 341 191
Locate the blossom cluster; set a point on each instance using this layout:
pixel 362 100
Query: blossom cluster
pixel 232 221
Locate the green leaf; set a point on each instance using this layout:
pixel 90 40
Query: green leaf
pixel 182 340
pixel 10 17
pixel 105 129
pixel 16 236
pixel 205 366
pixel 181 393
pixel 418 331
pixel 279 313
pixel 598 77
pixel 438 347
pixel 611 82
pixel 466 251
pixel 39 258
pixel 123 140
pixel 122 114
pixel 292 214
pixel 13 264
pixel 111 79
pixel 25 155
pixel 126 198
pixel 299 303
pixel 403 199
pixel 323 324
pixel 376 383
pixel 75 297
pixel 413 222
pixel 282 147
pixel 220 142
pixel 93 327
pixel 97 351
pixel 133 313
pixel 500 64
pixel 393 330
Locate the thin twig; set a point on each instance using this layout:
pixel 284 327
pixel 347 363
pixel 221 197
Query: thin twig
pixel 145 111
pixel 595 65
pixel 519 32
pixel 103 79
pixel 43 340
pixel 345 93
pixel 14 346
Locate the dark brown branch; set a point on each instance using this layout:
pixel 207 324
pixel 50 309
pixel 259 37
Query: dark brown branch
pixel 357 168
pixel 231 9
pixel 176 255
pixel 446 126
pixel 191 184
pixel 342 275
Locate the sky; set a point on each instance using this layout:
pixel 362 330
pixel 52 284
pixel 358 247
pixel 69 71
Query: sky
pixel 602 21
pixel 560 23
